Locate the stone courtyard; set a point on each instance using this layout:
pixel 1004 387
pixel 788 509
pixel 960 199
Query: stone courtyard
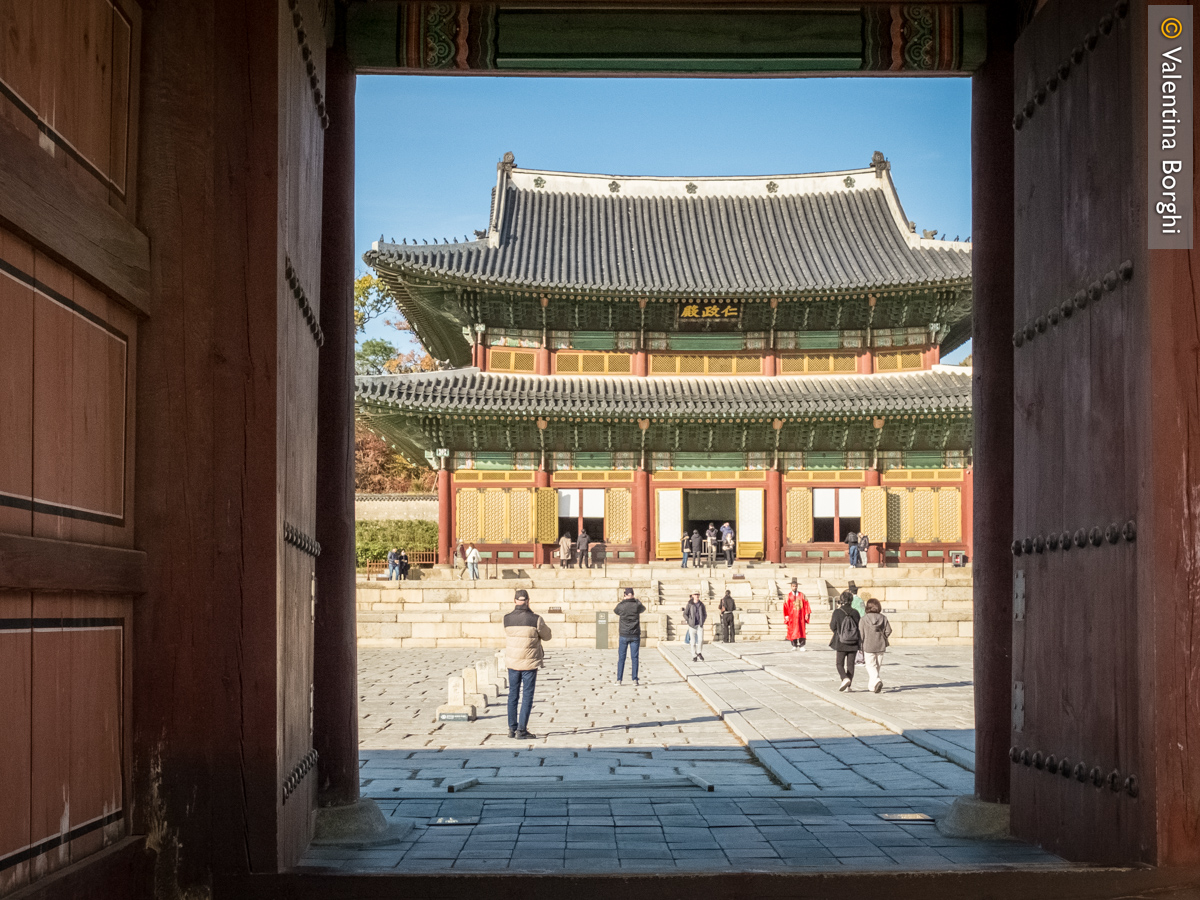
pixel 619 776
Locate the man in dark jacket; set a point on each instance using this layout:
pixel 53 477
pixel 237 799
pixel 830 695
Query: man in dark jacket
pixel 697 544
pixel 582 548
pixel 846 640
pixel 629 611
pixel 726 607
pixel 852 547
pixel 694 615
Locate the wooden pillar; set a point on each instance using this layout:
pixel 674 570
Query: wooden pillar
pixel 335 637
pixel 875 548
pixel 639 363
pixel 541 555
pixel 542 361
pixel 865 363
pixel 445 523
pixel 773 550
pixel 992 399
pixel 931 357
pixel 641 515
pixel 768 364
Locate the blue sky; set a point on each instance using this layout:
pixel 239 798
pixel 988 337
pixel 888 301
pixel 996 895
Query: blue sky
pixel 427 147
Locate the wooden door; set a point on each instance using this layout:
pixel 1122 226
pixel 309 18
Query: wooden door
pixel 1079 734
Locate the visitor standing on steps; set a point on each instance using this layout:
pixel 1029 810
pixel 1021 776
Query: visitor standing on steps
pixel 686 544
pixel 582 546
pixel 728 545
pixel 694 615
pixel 629 611
pixel 524 631
pixel 460 559
pixel 697 544
pixel 564 551
pixel 852 547
pixel 473 562
pixel 796 615
pixel 875 630
pixel 864 544
pixel 846 641
pixel 393 564
pixel 726 608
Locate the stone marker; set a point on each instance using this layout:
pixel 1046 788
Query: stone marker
pixel 471 694
pixel 483 678
pixel 501 671
pixel 456 709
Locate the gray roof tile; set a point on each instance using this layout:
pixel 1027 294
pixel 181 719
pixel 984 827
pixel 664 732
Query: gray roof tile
pixel 472 391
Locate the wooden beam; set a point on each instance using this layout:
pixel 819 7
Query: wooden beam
pixel 41 564
pixel 71 225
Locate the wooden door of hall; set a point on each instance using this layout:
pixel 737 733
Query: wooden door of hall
pixel 1080 731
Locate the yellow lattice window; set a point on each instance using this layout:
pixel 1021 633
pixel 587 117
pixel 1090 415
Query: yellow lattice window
pixel 546 515
pixel 949 515
pixel 661 364
pixel 902 361
pixel 618 516
pixel 799 516
pixel 924 515
pixel 592 363
pixel 818 363
pixel 493 518
pixel 466 515
pixel 899 515
pixel 874 513
pixel 520 516
pixel 512 360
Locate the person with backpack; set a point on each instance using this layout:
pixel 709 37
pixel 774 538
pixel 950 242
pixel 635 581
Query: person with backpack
pixel 875 630
pixel 846 641
pixel 629 611
pixel 852 547
pixel 726 608
pixel 694 614
pixel 796 615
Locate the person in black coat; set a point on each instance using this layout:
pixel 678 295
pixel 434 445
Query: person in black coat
pixel 846 640
pixel 629 611
pixel 582 548
pixel 697 544
pixel 726 608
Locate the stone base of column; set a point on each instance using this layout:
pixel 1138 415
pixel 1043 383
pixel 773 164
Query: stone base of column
pixel 975 819
pixel 355 825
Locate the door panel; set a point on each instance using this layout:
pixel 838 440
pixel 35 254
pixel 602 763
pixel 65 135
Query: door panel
pixel 1077 359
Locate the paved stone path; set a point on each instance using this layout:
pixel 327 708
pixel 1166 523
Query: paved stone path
pixel 605 787
pixel 928 693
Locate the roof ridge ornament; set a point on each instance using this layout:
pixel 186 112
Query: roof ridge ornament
pixel 879 163
pixel 507 163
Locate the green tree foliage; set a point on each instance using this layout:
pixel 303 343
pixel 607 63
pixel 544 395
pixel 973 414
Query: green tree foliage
pixel 373 540
pixel 371 300
pixel 373 356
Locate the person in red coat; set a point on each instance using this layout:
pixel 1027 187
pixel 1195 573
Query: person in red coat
pixel 796 614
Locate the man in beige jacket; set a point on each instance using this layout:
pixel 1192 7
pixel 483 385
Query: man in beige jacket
pixel 524 631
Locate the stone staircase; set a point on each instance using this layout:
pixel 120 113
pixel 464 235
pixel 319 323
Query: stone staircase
pixel 438 610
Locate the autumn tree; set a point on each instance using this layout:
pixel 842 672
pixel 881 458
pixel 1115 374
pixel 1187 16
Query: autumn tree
pixel 379 469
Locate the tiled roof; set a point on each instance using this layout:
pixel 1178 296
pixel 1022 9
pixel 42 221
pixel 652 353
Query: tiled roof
pixel 784 234
pixel 941 390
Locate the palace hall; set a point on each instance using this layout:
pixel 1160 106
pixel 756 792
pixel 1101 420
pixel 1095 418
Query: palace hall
pixel 641 356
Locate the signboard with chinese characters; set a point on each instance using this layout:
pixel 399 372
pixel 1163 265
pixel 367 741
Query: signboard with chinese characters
pixel 709 312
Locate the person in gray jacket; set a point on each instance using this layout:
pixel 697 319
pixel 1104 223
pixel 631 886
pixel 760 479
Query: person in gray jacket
pixel 875 630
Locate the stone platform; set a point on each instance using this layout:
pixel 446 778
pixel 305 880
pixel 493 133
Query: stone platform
pixel 925 604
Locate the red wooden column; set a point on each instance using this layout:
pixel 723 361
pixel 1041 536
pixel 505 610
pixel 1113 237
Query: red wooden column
pixel 864 363
pixel 445 525
pixel 774 516
pixel 639 363
pixel 769 363
pixel 335 647
pixel 542 361
pixel 992 399
pixel 641 515
pixel 931 357
pixel 875 548
pixel 541 479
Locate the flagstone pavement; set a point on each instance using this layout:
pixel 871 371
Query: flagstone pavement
pixel 618 776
